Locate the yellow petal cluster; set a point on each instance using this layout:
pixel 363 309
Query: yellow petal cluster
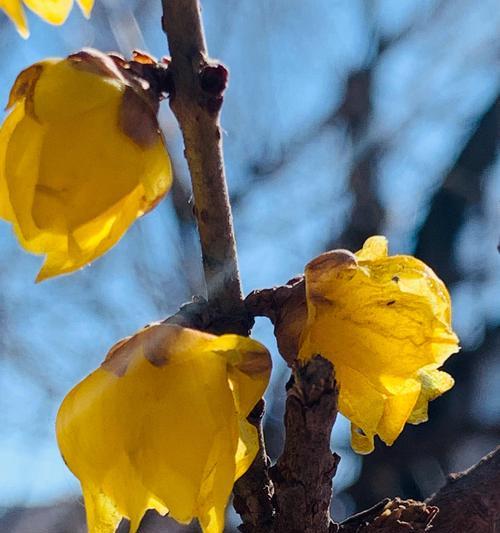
pixel 162 425
pixel 81 157
pixel 385 323
pixel 52 11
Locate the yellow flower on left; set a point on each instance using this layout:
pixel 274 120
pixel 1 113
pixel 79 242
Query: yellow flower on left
pixel 53 11
pixel 81 157
pixel 162 425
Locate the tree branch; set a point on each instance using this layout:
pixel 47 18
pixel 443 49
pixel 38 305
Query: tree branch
pixel 470 501
pixel 196 99
pixel 303 474
pixel 392 516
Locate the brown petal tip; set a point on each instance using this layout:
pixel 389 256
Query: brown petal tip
pixel 257 362
pixel 96 62
pixel 151 342
pixel 118 358
pixel 333 259
pixel 24 85
pixel 138 118
pixel 143 57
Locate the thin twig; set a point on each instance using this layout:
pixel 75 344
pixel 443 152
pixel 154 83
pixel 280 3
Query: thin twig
pixel 198 87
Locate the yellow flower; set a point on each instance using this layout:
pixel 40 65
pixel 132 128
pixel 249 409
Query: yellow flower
pixel 81 157
pixel 385 323
pixel 53 11
pixel 162 425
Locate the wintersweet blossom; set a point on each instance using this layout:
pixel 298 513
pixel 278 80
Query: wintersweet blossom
pixel 162 425
pixel 81 157
pixel 385 323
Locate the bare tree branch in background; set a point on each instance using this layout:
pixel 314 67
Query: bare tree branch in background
pixel 392 470
pixel 460 190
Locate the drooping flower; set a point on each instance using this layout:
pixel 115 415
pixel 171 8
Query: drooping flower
pixel 81 157
pixel 385 323
pixel 52 11
pixel 162 425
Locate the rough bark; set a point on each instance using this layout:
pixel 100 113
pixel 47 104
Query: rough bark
pixel 303 474
pixel 253 497
pixel 470 500
pixel 285 306
pixel 392 516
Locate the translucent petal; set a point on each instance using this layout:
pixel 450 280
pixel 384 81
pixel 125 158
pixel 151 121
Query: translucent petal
pixel 8 127
pixel 86 6
pixel 71 180
pixel 434 383
pixel 52 11
pixel 80 173
pixel 380 320
pixel 375 247
pixel 65 89
pixel 14 10
pixel 178 446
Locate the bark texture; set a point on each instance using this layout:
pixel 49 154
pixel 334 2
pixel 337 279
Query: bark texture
pixel 253 496
pixel 392 516
pixel 303 474
pixel 470 500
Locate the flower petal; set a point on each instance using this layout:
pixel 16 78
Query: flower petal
pixel 14 10
pixel 380 320
pixel 8 127
pixel 67 88
pixel 375 247
pixel 52 11
pixel 86 6
pixel 176 446
pixel 73 180
pixel 19 176
pixel 434 383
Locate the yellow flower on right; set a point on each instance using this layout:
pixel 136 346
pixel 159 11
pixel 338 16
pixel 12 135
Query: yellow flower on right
pixel 385 323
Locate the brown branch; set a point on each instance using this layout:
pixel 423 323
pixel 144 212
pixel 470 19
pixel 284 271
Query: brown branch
pixel 303 474
pixel 196 96
pixel 392 516
pixel 461 188
pixel 285 306
pixel 253 496
pixel 470 501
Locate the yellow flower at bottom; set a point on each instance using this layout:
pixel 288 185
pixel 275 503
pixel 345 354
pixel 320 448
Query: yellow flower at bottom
pixel 162 425
pixel 81 157
pixel 52 11
pixel 385 323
